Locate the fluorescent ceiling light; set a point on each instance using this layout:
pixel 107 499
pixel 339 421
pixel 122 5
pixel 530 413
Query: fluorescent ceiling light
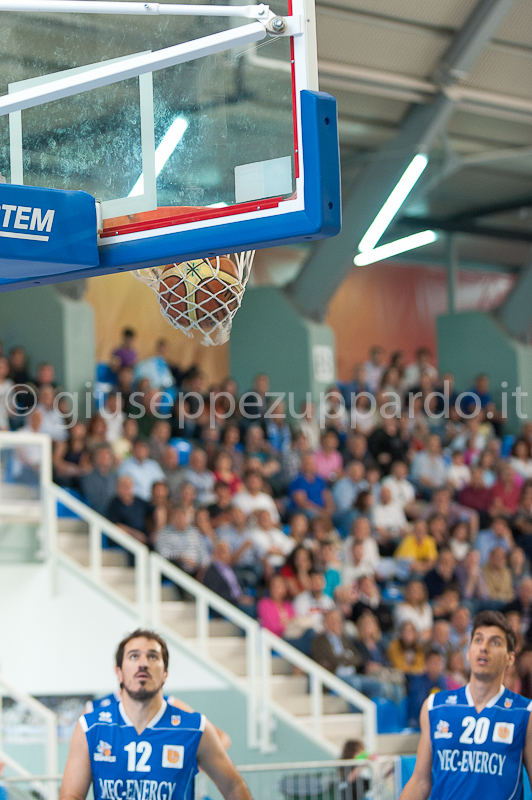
pixel 394 248
pixel 393 203
pixel 168 144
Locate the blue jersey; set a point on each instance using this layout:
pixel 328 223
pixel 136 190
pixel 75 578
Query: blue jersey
pixel 476 755
pixel 158 764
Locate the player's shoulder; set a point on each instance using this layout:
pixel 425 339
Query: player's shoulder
pixel 177 718
pixel 101 702
pixel 101 715
pixel 512 701
pixel 447 699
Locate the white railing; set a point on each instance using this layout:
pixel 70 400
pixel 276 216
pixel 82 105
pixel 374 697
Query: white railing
pixel 50 720
pixel 206 599
pixel 99 526
pixel 320 678
pixel 339 780
pixel 148 573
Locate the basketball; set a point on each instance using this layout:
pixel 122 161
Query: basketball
pixel 198 291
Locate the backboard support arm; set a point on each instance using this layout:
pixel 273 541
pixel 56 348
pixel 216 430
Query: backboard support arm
pixel 137 65
pixel 260 12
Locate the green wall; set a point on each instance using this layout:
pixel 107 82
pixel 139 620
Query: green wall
pixel 270 336
pixel 472 342
pixel 51 328
pixel 19 543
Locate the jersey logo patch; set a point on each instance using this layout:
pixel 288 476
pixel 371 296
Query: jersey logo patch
pixel 452 700
pixel 504 732
pixel 105 716
pixel 105 702
pixel 442 730
pixel 175 719
pixel 103 752
pixel 173 756
pixel 508 703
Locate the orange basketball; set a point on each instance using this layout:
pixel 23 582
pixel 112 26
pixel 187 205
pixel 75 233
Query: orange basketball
pixel 196 292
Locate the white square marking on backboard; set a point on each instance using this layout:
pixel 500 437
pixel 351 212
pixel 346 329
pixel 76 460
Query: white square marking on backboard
pixel 263 179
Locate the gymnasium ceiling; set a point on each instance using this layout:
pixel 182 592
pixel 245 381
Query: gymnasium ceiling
pixel 382 58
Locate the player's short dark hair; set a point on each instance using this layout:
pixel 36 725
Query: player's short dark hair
pixel 144 634
pixel 486 619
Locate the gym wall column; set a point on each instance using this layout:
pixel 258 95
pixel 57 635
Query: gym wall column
pixel 270 336
pixel 51 328
pixel 473 342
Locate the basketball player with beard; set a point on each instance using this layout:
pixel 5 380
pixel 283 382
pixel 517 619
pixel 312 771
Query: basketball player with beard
pixel 142 747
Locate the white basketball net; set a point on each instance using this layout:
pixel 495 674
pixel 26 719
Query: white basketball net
pixel 199 295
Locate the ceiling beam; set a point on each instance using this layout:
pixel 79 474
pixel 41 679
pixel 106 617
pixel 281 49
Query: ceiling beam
pixel 463 225
pixel 332 259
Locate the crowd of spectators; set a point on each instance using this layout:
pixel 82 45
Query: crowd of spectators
pixel 365 541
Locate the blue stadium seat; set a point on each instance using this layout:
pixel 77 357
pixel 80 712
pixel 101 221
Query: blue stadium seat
pixel 387 716
pixel 183 448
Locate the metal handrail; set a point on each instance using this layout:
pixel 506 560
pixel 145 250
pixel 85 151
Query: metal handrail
pixel 205 599
pixel 319 678
pixel 50 720
pixel 98 526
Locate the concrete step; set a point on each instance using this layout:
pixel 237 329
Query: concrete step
pixel 301 705
pixel 337 728
pixel 178 610
pixel 119 576
pixel 72 525
pixel 397 744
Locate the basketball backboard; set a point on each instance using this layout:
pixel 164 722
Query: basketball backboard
pixel 198 130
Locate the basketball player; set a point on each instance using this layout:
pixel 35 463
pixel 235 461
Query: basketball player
pixel 140 747
pixel 474 741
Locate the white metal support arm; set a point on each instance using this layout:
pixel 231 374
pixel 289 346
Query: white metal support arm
pixel 137 65
pixel 261 12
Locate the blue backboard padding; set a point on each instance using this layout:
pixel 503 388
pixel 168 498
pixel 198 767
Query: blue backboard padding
pixel 320 218
pixel 45 231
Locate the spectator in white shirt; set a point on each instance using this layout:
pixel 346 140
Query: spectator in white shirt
pixel 361 534
pixel 271 542
pixel 416 609
pixel 144 471
pixel 200 477
pixel 52 422
pixel 429 471
pixel 114 416
pixel 310 606
pixel 375 367
pixel 388 517
pixel 400 487
pixel 359 567
pixel 253 499
pixel 421 366
pixel 459 474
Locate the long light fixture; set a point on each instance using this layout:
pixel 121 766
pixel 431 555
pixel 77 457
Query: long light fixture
pixel 394 248
pixel 168 144
pixel 392 205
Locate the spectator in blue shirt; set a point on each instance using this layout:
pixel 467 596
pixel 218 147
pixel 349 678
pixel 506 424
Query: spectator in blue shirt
pixel 308 492
pixel 421 686
pixel 144 471
pixel 497 535
pixel 356 385
pixel 345 493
